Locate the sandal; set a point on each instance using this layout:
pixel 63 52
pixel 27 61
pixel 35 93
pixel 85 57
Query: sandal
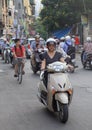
pixel 15 75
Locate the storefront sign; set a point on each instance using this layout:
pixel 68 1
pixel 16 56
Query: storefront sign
pixel 84 19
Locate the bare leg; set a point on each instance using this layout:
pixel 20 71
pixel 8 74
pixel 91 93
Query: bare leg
pixel 16 69
pixel 23 68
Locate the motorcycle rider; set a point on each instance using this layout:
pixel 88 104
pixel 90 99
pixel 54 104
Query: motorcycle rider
pixel 87 48
pixel 49 57
pixel 61 47
pixel 34 47
pixel 18 51
pixel 62 42
pixel 5 44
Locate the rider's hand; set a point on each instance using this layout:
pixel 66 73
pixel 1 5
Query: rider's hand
pixel 70 67
pixel 68 56
pixel 15 57
pixel 24 57
pixel 42 75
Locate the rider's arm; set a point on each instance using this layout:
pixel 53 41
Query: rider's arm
pixel 84 47
pixel 60 56
pixel 62 59
pixel 43 64
pixel 68 65
pixel 32 47
pixel 24 54
pixel 14 54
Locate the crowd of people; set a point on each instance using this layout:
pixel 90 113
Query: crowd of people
pixel 56 50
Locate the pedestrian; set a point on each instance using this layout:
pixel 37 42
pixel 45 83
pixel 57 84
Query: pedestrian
pixel 77 42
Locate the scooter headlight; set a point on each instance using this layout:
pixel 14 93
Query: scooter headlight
pixel 58 68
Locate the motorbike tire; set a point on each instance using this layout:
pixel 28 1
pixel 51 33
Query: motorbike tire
pixel 34 71
pixel 82 57
pixel 63 113
pixel 33 68
pixel 90 65
pixel 72 71
pixel 84 65
pixel 7 58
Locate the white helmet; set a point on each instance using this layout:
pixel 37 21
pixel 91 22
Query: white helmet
pixel 67 37
pixel 62 38
pixel 51 41
pixel 37 36
pixel 88 39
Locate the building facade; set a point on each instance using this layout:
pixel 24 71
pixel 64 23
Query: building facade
pixel 16 16
pixel 29 9
pixel 38 7
pixel 1 20
pixel 6 17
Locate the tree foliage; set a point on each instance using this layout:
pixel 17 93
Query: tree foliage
pixel 39 28
pixel 60 13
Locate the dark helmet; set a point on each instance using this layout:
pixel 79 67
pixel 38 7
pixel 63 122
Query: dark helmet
pixel 16 40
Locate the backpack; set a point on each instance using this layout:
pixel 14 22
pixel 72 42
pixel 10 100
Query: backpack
pixel 70 49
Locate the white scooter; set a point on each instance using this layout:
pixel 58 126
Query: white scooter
pixel 58 94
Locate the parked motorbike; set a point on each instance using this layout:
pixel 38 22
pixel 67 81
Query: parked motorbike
pixel 87 63
pixel 36 57
pixel 7 55
pixel 12 58
pixel 58 94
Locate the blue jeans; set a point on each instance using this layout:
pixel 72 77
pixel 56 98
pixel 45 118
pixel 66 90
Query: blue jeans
pixel 84 56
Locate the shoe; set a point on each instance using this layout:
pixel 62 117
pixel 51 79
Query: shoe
pixel 23 72
pixel 15 75
pixel 76 66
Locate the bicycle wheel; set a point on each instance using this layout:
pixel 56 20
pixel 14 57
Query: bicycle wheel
pixel 20 74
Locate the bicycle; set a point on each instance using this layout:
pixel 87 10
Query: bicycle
pixel 20 69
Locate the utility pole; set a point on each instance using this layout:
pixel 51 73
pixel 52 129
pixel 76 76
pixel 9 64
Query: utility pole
pixel 5 14
pixel 84 6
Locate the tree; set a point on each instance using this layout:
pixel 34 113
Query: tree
pixel 39 28
pixel 60 13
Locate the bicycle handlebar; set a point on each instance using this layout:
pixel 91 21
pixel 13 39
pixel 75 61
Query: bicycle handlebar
pixel 21 57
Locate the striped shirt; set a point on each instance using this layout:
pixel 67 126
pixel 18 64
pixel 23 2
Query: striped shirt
pixel 88 47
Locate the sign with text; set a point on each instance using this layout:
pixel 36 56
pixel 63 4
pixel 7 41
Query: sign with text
pixel 84 19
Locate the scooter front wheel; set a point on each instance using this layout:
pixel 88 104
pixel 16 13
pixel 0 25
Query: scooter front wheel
pixel 63 113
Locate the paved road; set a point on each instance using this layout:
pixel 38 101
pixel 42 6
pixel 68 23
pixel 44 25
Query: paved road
pixel 21 110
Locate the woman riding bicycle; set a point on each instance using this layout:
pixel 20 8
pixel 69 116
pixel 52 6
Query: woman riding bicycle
pixel 18 51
